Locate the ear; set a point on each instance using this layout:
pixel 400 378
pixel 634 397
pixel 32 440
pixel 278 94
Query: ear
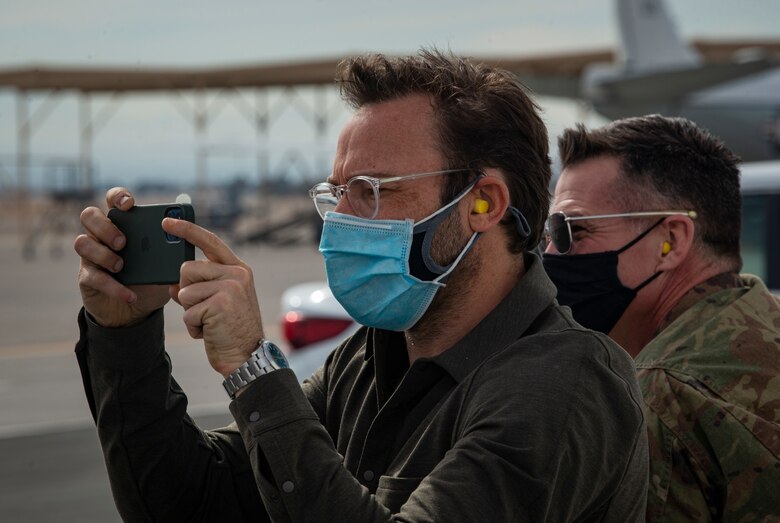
pixel 492 190
pixel 678 232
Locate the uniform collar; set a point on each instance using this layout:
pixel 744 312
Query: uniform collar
pixel 719 282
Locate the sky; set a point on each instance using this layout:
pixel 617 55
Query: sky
pixel 148 138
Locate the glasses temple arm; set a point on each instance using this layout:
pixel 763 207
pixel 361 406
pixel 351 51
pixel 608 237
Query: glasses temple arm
pixel 690 214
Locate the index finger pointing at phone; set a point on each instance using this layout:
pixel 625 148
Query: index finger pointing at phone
pixel 214 248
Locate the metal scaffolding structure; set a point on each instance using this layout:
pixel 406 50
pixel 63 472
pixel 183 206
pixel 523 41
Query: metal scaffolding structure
pixel 200 95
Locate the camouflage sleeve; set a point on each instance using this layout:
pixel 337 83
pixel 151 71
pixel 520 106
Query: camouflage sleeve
pixel 708 459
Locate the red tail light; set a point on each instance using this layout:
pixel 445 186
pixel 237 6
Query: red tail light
pixel 301 331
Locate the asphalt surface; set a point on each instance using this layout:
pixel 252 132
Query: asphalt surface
pixel 59 476
pixel 51 465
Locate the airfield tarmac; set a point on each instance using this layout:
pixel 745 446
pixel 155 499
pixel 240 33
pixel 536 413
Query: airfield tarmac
pixel 52 467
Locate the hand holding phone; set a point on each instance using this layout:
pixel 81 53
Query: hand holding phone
pixel 150 255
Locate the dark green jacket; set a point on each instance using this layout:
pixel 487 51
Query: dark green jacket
pixel 530 417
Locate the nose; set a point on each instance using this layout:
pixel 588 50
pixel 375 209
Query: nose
pixel 550 248
pixel 344 207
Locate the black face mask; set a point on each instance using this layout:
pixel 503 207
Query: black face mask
pixel 589 284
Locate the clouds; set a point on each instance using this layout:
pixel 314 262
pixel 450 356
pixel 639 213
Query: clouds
pixel 201 32
pixel 147 136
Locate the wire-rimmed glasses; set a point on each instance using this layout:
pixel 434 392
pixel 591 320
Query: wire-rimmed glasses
pixel 362 192
pixel 558 226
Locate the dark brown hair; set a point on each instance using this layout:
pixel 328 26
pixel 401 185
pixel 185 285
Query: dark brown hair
pixel 672 163
pixel 485 119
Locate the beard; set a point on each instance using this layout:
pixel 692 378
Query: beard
pixel 449 240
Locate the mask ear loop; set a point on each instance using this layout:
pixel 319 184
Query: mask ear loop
pixel 451 266
pixel 633 242
pixel 442 210
pixel 423 232
pixel 523 229
pixel 646 282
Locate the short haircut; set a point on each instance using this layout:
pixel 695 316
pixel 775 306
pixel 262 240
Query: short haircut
pixel 669 163
pixel 484 116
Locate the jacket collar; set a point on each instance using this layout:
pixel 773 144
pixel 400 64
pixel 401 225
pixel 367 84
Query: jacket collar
pixel 505 324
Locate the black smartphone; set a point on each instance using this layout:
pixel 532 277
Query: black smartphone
pixel 152 256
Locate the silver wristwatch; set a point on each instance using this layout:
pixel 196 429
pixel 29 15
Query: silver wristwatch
pixel 266 358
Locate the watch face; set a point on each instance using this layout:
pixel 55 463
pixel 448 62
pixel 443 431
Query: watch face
pixel 275 356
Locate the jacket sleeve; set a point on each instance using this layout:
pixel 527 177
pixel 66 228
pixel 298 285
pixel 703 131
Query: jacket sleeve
pixel 297 468
pixel 710 459
pixel 162 467
pixel 509 460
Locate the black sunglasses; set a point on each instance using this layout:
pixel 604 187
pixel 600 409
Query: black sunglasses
pixel 558 227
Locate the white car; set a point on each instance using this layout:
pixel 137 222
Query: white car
pixel 313 324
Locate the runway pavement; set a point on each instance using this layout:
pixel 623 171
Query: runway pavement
pixel 59 476
pixel 52 468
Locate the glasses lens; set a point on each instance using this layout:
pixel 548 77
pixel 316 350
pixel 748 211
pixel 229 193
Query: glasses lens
pixel 558 230
pixel 363 197
pixel 323 195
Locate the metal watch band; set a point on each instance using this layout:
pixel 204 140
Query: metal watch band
pixel 257 365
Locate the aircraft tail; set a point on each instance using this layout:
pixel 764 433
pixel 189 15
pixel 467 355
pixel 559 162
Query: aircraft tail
pixel 649 38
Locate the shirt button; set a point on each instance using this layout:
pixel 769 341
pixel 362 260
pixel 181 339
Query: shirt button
pixel 288 486
pixel 368 475
pixel 254 416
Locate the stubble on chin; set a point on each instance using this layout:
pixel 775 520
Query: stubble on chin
pixel 448 242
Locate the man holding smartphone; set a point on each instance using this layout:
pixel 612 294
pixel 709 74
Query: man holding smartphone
pixel 468 395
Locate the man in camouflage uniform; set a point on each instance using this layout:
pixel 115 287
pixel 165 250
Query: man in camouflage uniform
pixel 644 245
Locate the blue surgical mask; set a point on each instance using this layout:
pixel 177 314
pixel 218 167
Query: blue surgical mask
pixel 381 271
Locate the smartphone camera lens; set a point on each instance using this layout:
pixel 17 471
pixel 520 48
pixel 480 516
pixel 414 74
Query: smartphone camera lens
pixel 173 212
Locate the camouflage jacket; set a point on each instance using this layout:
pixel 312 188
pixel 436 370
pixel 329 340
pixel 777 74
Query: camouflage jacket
pixel 711 385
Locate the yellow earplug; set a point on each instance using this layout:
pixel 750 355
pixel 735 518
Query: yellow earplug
pixel 666 248
pixel 480 206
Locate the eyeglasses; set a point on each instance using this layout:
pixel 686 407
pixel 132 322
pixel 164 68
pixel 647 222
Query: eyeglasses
pixel 558 227
pixel 362 192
